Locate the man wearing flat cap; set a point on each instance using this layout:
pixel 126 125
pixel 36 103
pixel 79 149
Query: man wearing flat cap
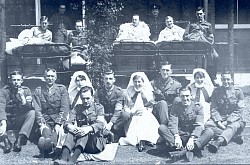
pixel 155 22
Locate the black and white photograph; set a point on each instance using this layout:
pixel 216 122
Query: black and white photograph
pixel 124 82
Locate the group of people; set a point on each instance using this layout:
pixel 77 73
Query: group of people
pixel 56 30
pixel 151 31
pixel 82 119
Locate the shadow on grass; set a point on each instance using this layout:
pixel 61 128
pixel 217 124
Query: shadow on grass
pixel 161 151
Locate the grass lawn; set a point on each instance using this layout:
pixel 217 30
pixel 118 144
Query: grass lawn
pixel 230 154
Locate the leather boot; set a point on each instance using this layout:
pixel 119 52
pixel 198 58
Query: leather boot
pixel 41 145
pixel 141 146
pixel 17 143
pixel 215 145
pixel 7 145
pixel 238 139
pixel 48 146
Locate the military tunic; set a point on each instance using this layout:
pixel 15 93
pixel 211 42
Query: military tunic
pixel 113 107
pixel 164 91
pixel 202 31
pixel 226 105
pixel 87 116
pixel 78 39
pixel 156 24
pixel 187 122
pixel 12 110
pixel 61 23
pixel 199 32
pixel 51 106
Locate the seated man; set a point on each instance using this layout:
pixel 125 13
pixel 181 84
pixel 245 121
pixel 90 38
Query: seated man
pixel 42 31
pixel 35 35
pixel 171 32
pixel 112 98
pixel 84 128
pixel 78 41
pixel 136 31
pixel 52 105
pixel 185 131
pixel 227 105
pixel 165 90
pixel 202 31
pixel 16 111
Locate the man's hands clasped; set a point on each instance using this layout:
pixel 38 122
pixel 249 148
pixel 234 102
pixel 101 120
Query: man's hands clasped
pixel 79 131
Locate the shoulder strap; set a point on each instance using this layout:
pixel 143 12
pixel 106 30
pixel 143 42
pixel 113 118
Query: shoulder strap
pixel 75 100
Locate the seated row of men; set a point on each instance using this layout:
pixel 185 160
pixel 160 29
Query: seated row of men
pixel 138 30
pixel 147 110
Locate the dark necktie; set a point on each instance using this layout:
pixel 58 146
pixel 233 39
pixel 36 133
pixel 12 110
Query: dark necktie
pixel 75 100
pixel 198 93
pixel 133 98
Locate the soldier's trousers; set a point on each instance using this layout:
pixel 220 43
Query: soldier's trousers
pixel 201 141
pixel 228 133
pixel 118 127
pixel 49 132
pixel 160 111
pixel 91 143
pixel 23 122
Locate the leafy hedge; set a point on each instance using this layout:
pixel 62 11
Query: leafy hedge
pixel 101 24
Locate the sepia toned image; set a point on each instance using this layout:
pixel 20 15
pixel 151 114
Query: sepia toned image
pixel 124 82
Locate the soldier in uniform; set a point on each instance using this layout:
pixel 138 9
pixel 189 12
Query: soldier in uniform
pixel 52 105
pixel 202 31
pixel 185 134
pixel 60 24
pixel 77 39
pixel 112 98
pixel 165 90
pixel 84 128
pixel 227 105
pixel 155 22
pixel 16 111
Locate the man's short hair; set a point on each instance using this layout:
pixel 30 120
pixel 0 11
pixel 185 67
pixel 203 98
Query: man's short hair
pixel 164 63
pixel 86 89
pixel 199 8
pixel 136 15
pixel 44 18
pixel 185 88
pixel 15 73
pixel 49 69
pixel 109 71
pixel 227 72
pixel 79 21
pixel 169 17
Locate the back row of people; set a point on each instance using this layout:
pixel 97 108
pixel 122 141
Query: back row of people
pixel 139 31
pixel 160 107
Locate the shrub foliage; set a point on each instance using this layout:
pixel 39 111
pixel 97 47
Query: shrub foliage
pixel 101 25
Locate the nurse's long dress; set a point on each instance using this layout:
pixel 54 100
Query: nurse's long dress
pixel 144 127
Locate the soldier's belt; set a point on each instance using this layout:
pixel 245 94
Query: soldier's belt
pixel 52 111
